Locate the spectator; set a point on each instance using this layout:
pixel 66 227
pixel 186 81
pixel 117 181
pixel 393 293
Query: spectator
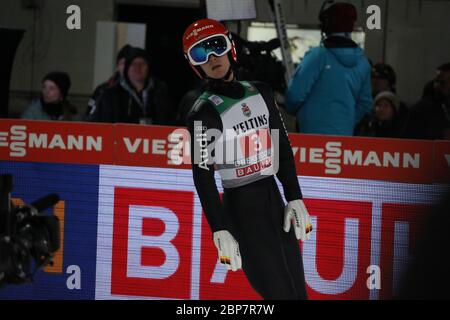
pixel 115 78
pixel 137 98
pixel 384 119
pixel 331 91
pixel 385 79
pixel 430 90
pixel 52 104
pixel 430 117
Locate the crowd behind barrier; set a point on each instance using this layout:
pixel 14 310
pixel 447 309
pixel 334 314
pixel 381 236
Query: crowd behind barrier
pixel 133 95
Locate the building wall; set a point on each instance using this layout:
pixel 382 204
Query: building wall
pixel 415 38
pixel 55 47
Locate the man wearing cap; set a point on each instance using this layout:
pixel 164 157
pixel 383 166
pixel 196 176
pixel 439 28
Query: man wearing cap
pixel 137 98
pixel 52 103
pixel 430 117
pixel 330 91
pixel 383 79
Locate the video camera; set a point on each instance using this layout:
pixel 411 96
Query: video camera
pixel 27 237
pixel 258 63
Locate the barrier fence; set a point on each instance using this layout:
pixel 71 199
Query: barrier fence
pixel 133 227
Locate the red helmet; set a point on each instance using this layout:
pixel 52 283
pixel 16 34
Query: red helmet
pixel 203 38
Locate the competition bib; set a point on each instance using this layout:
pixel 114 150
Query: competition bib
pixel 244 151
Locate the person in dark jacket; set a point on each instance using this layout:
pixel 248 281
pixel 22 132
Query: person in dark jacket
pixel 252 227
pixel 52 104
pixel 137 98
pixel 115 78
pixel 430 117
pixel 384 119
pixel 385 79
pixel 330 91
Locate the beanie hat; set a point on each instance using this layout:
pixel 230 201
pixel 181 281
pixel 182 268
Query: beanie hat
pixel 123 52
pixel 384 71
pixel 391 97
pixel 132 54
pixel 339 17
pixel 61 79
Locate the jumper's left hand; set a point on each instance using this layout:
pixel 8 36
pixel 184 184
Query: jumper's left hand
pixel 228 248
pixel 296 213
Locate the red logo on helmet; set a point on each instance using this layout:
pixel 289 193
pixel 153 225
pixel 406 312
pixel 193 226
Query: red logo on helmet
pixel 195 32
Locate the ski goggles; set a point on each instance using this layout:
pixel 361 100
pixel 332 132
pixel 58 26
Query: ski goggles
pixel 216 44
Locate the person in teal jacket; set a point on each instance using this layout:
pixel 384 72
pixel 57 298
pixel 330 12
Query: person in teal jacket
pixel 52 103
pixel 330 91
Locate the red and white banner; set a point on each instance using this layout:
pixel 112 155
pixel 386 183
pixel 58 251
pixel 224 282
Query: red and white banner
pixel 364 158
pixel 412 161
pixel 52 141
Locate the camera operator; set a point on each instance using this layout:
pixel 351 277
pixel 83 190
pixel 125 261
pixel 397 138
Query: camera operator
pixel 257 62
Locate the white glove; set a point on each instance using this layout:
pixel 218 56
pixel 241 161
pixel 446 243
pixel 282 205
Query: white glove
pixel 296 213
pixel 228 250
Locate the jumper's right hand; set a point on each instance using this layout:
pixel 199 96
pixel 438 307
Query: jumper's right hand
pixel 228 249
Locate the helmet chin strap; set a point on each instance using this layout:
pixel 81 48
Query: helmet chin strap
pixel 228 74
